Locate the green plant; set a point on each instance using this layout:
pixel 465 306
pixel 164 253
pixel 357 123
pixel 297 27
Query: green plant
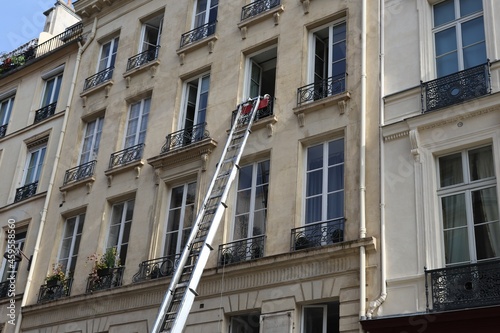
pixel 57 273
pixel 109 259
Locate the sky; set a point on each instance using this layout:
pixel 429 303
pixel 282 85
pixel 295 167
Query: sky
pixel 21 21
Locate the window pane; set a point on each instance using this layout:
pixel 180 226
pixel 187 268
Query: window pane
pixel 450 170
pixel 259 223
pixel 261 197
pixel 336 178
pixel 456 246
pixel 245 177
pixel 248 323
pixel 474 55
pixel 315 157
pixel 243 205
pixel 485 205
pixel 313 319
pixel 472 31
pixel 241 227
pixel 314 182
pixel 454 213
pixel 444 12
pixel 335 152
pixel 481 163
pixel 470 6
pixel 313 210
pixel 446 41
pixel 447 64
pixel 487 240
pixel 335 205
pixel 263 173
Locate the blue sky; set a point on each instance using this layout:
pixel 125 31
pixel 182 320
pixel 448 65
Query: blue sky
pixel 21 21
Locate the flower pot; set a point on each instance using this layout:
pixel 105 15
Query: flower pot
pixel 52 283
pixel 104 272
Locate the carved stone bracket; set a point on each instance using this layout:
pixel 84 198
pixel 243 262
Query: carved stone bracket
pixel 106 90
pixel 127 81
pixel 414 142
pixel 204 161
pixel 182 56
pixel 276 18
pixel 63 196
pixel 84 101
pixel 305 5
pixel 96 8
pixel 342 106
pixel 244 32
pixel 211 45
pixel 301 119
pixel 110 179
pixel 137 171
pixel 270 130
pixel 89 186
pixel 152 70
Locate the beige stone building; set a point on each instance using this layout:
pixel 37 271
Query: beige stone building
pixel 155 91
pixel 441 167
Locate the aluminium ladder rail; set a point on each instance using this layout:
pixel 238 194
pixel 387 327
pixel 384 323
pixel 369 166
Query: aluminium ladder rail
pixel 181 292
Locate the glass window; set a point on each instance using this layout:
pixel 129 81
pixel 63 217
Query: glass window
pixel 137 123
pixel 108 55
pixel 458 35
pixel 324 199
pixel 51 92
pixel 70 243
pixel 245 323
pixel 321 318
pixel 151 33
pixel 251 201
pixel 119 229
pixel 180 217
pixel 5 110
pixel 7 267
pixel 90 145
pixel 194 109
pixel 34 165
pixel 205 12
pixel 469 206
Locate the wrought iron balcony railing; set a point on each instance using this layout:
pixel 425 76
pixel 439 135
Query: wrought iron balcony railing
pixel 318 234
pixel 456 88
pixel 50 292
pixel 4 288
pixel 97 79
pixel 198 33
pixel 25 192
pixel 319 90
pixel 241 250
pixel 157 268
pixel 143 58
pixel 106 279
pixel 257 7
pixel 45 112
pixel 464 286
pixel 32 50
pixel 126 156
pixel 80 172
pixel 185 137
pixel 264 112
pixel 3 130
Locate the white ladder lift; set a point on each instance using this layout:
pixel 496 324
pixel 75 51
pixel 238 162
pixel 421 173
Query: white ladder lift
pixel 181 292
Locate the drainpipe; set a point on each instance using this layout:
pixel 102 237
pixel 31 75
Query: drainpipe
pixel 383 274
pixel 43 218
pixel 362 171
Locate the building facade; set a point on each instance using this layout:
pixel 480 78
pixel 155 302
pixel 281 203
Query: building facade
pixel 155 91
pixel 441 166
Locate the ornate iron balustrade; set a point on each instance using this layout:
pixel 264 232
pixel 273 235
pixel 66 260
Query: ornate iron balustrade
pixel 318 234
pixel 143 58
pixel 110 278
pixel 319 90
pixel 80 172
pixel 261 113
pixel 3 130
pixel 26 191
pixel 456 88
pixel 4 288
pixel 198 33
pixel 464 286
pixel 257 7
pixel 50 292
pixel 45 112
pixel 126 156
pixel 241 250
pixel 97 79
pixel 32 49
pixel 157 268
pixel 185 137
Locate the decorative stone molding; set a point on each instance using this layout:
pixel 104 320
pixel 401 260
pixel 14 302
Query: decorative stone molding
pixel 151 67
pixel 340 100
pixel 209 42
pixel 211 45
pixel 204 161
pixel 134 166
pixel 305 5
pixel 244 32
pixel 106 86
pixel 414 142
pixel 275 13
pixel 276 17
pixel 182 56
pixel 396 136
pixel 87 182
pixel 183 155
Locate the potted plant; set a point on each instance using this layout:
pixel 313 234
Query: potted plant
pixel 56 276
pixel 102 264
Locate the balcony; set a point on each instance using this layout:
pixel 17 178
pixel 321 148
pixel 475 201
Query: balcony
pixel 157 268
pixel 241 250
pixel 107 279
pixel 45 112
pixel 26 191
pixel 258 7
pixel 3 130
pixel 318 234
pixel 185 137
pixel 51 292
pixel 99 78
pixel 198 34
pixel 143 58
pixel 80 172
pixel 126 156
pixel 32 50
pixel 322 89
pixel 456 88
pixel 263 112
pixel 464 286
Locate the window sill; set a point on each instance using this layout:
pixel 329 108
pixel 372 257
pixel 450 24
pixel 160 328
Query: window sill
pixel 209 41
pixel 198 150
pixel 339 99
pixel 152 66
pixel 135 165
pixel 106 86
pixel 273 12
